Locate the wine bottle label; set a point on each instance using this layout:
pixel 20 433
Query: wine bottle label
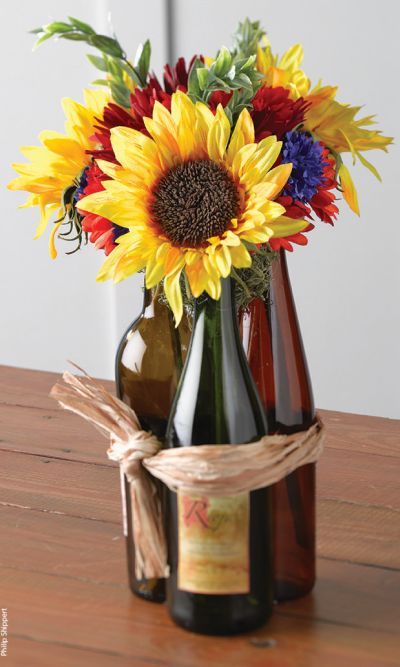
pixel 213 544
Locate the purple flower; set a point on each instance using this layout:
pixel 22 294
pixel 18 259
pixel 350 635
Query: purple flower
pixel 306 155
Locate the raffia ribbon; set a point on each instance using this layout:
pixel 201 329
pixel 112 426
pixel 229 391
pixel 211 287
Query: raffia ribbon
pixel 213 470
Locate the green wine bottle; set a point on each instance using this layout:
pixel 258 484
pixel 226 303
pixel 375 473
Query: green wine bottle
pixel 218 547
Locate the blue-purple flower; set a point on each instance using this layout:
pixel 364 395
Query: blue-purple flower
pixel 307 157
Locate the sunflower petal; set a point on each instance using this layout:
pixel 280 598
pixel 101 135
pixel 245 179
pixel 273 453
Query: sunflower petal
pixel 349 189
pixel 242 134
pixel 173 293
pixel 285 226
pixel 218 135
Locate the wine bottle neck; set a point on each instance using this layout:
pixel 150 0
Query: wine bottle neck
pixel 151 302
pixel 221 313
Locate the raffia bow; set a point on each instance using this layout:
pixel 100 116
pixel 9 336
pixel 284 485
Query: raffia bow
pixel 213 470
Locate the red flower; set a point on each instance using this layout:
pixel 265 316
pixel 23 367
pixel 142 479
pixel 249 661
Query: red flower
pixel 322 202
pixel 275 113
pixel 102 232
pixel 219 97
pixel 295 210
pixel 176 78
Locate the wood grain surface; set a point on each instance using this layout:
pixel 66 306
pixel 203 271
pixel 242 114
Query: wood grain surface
pixel 62 555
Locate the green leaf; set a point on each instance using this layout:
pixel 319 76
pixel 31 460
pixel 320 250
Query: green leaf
pixel 223 62
pixel 74 36
pixel 231 73
pixel 130 70
pixel 193 81
pixel 84 27
pixel 244 82
pixel 56 27
pixel 101 82
pixel 120 93
pixel 229 114
pixel 142 60
pixel 107 45
pixel 42 39
pixel 114 68
pixel 99 63
pixel 202 77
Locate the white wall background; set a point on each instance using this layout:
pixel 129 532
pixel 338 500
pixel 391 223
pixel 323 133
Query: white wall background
pixel 346 281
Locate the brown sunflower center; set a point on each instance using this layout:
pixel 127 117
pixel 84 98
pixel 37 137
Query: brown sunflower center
pixel 193 201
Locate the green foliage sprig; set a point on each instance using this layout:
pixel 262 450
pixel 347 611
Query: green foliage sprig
pixel 247 38
pixel 229 74
pixel 254 282
pixel 113 60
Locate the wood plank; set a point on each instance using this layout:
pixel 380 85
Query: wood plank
pixel 67 546
pixel 351 594
pixel 72 548
pixel 53 485
pixel 30 388
pixel 362 433
pixel 358 533
pixel 51 433
pixel 357 477
pixel 26 652
pixel 105 618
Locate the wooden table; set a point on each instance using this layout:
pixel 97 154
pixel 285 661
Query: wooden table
pixel 63 578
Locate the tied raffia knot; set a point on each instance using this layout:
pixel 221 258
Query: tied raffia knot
pixel 210 470
pixel 131 452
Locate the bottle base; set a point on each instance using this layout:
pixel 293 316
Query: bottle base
pixel 217 626
pixel 144 592
pixel 292 590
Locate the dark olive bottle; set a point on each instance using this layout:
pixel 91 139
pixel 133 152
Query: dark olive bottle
pixel 149 359
pixel 220 550
pixel 275 352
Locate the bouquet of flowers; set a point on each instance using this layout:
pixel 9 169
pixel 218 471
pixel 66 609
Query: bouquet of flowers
pixel 193 175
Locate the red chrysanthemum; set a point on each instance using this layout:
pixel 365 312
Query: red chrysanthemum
pixel 219 97
pixel 295 210
pixel 275 113
pixel 102 232
pixel 322 203
pixel 176 78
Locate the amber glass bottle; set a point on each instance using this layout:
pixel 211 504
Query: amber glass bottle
pixel 219 548
pixel 274 349
pixel 148 363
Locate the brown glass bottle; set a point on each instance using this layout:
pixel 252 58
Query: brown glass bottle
pixel 274 349
pixel 149 359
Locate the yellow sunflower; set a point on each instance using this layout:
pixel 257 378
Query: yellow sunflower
pixel 191 197
pixel 284 71
pixel 58 163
